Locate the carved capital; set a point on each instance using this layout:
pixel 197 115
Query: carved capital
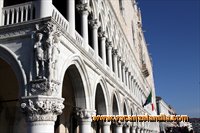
pixel 42 108
pixel 109 44
pixel 102 34
pixel 126 69
pixel 83 8
pixel 119 58
pixel 44 87
pixel 94 23
pixel 115 52
pixel 85 114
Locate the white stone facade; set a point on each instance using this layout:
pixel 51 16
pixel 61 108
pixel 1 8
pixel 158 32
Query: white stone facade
pixel 66 63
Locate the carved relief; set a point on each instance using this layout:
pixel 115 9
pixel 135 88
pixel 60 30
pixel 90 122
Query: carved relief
pixel 42 108
pixel 46 51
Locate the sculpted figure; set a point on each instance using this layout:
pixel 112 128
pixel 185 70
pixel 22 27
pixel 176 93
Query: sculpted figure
pixel 39 55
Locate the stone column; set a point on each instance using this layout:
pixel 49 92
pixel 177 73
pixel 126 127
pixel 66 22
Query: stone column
pixel 109 46
pixel 43 9
pixel 118 127
pixel 133 129
pixel 120 68
pixel 84 9
pixel 105 126
pixel 115 61
pixel 85 120
pixel 123 72
pixel 41 112
pixel 126 128
pixel 127 81
pixel 102 36
pixel 1 13
pixel 71 16
pixel 94 24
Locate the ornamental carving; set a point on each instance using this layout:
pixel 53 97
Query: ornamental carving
pixel 46 54
pixel 85 114
pixel 42 108
pixel 83 7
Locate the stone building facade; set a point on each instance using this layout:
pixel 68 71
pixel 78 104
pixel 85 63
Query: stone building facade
pixel 63 61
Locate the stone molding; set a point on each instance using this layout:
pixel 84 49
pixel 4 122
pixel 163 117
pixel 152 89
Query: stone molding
pixel 42 108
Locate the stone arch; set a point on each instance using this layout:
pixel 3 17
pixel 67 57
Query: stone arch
pixel 11 117
pixel 115 104
pixel 101 87
pixel 9 57
pixel 125 108
pixel 78 65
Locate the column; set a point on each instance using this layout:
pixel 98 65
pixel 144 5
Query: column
pixel 115 61
pixel 118 127
pixel 103 45
pixel 71 16
pixel 109 46
pixel 129 80
pixel 126 128
pixel 94 24
pixel 126 73
pixel 123 72
pixel 1 15
pixel 84 9
pixel 85 120
pixel 105 126
pixel 44 8
pixel 41 112
pixel 133 129
pixel 120 68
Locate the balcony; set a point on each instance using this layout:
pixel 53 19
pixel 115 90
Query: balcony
pixel 28 11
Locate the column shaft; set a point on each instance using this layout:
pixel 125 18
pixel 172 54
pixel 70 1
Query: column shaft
pixel 43 8
pixel 110 55
pixel 84 27
pixel 115 62
pixel 123 73
pixel 71 16
pixel 106 127
pixel 120 68
pixel 41 127
pixel 118 129
pixel 85 126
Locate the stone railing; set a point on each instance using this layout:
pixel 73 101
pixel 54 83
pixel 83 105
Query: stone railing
pixel 60 19
pixel 79 39
pixel 18 13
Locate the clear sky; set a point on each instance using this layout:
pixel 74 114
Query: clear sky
pixel 172 30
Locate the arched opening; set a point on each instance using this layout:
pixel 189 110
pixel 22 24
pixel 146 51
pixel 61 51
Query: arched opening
pixel 73 92
pixel 100 106
pixel 115 106
pixel 11 118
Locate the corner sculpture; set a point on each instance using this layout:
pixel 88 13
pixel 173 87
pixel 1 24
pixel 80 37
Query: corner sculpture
pixel 46 53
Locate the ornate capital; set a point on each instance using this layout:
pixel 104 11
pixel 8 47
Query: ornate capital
pixel 85 114
pixel 102 34
pixel 119 58
pixel 108 44
pixel 42 108
pixel 94 23
pixel 126 69
pixel 44 87
pixel 115 52
pixel 83 8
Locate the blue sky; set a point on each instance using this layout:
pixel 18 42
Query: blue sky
pixel 172 30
